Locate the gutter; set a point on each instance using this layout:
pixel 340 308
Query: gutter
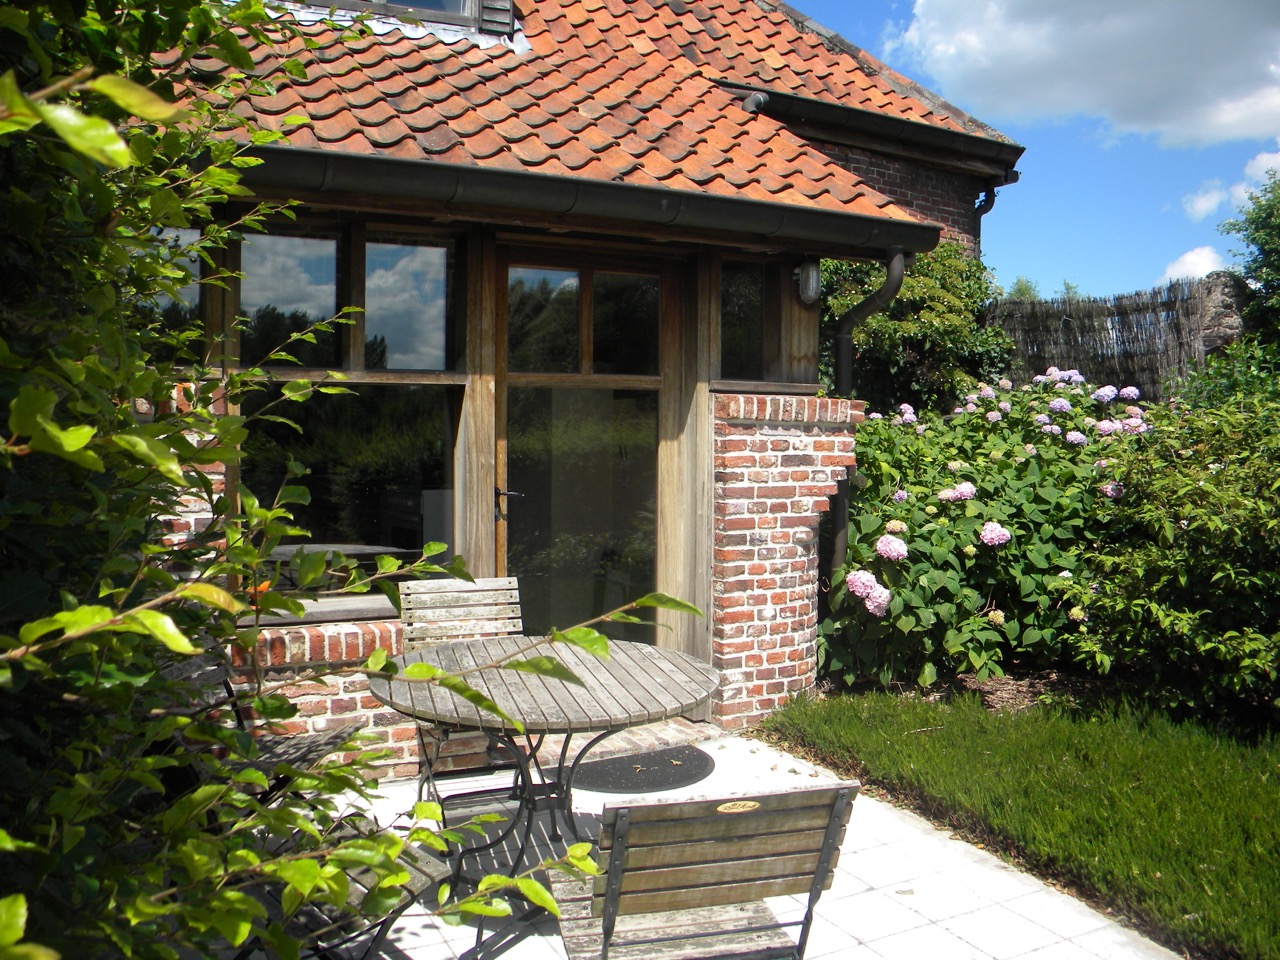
pixel 790 108
pixel 895 270
pixel 524 192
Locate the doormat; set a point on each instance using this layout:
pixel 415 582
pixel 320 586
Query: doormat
pixel 666 769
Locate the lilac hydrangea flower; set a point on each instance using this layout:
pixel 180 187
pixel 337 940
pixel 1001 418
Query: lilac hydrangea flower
pixel 1052 373
pixel 1052 428
pixel 1134 425
pixel 906 418
pixel 899 495
pixel 1105 394
pixel 877 601
pixel 1106 427
pixel 970 407
pixel 1112 489
pixel 861 582
pixel 1059 405
pixel 986 393
pixel 891 547
pixel 1005 406
pixel 1005 384
pixel 1077 438
pixel 994 416
pixel 920 429
pixel 1134 412
pixel 1130 393
pixel 875 416
pixel 905 408
pixel 1043 418
pixel 966 491
pixel 994 535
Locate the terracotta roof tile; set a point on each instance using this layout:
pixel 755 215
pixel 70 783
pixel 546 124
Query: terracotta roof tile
pixel 611 90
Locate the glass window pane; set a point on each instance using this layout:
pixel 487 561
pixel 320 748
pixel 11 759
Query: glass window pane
pixel 742 321
pixel 542 320
pixel 289 283
pixel 407 306
pixel 625 323
pixel 380 462
pixel 438 6
pixel 582 533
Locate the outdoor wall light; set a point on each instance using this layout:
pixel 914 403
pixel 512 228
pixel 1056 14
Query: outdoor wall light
pixel 809 277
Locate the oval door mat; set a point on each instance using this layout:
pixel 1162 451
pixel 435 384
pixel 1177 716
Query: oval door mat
pixel 666 769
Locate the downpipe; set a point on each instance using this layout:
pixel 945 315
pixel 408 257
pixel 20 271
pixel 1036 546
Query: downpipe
pixel 895 270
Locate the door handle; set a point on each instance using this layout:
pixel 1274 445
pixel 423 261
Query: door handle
pixel 498 494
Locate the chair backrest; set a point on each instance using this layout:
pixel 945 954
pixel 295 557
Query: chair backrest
pixel 438 610
pixel 683 854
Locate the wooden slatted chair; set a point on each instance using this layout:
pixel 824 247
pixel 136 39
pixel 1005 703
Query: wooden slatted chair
pixel 685 880
pixel 441 611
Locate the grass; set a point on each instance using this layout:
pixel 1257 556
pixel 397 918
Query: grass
pixel 1172 825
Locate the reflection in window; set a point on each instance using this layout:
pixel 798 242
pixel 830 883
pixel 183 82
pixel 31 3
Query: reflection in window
pixel 582 533
pixel 624 324
pixel 742 321
pixel 380 462
pixel 542 320
pixel 460 7
pixel 406 306
pixel 289 283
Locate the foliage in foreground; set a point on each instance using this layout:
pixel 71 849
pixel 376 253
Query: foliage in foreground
pixel 964 530
pixel 928 346
pixel 1166 823
pixel 1183 585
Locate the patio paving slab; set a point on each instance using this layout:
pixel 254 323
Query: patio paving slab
pixel 903 888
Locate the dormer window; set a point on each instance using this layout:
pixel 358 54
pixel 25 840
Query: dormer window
pixel 486 16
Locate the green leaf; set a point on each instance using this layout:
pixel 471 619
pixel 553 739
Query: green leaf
pixel 92 136
pixel 592 641
pixel 212 596
pixel 153 453
pixel 421 671
pixel 302 875
pixel 136 99
pixel 22 112
pixel 545 667
pixel 666 602
pixel 28 951
pixel 928 674
pixel 298 390
pixel 461 688
pixel 538 895
pixel 13 919
pixel 377 659
pixel 161 626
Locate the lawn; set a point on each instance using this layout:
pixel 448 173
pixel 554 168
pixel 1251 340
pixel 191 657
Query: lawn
pixel 1168 824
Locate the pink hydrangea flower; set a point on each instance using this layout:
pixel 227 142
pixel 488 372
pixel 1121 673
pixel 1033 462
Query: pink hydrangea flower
pixel 1077 438
pixel 1112 489
pixel 861 582
pixel 1105 394
pixel 900 495
pixel 986 393
pixel 1059 405
pixel 1106 427
pixel 891 547
pixel 1005 384
pixel 994 416
pixel 994 535
pixel 877 601
pixel 1130 393
pixel 1005 406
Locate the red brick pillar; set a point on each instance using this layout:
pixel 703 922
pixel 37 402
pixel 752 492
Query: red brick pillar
pixel 777 462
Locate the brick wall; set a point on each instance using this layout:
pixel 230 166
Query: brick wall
pixel 285 651
pixel 777 463
pixel 942 196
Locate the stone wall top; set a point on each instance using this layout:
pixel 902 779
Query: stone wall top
pixel 770 408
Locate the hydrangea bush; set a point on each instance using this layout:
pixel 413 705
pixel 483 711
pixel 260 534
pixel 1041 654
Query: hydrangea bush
pixel 1184 593
pixel 965 529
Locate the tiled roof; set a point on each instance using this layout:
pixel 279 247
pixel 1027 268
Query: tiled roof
pixel 620 91
pixel 771 45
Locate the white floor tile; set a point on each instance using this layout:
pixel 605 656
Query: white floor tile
pixel 998 932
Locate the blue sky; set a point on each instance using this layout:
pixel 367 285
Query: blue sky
pixel 1145 121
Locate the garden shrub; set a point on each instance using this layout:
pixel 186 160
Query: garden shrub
pixel 1182 597
pixel 964 530
pixel 929 345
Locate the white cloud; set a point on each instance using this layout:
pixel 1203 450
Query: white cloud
pixel 1186 71
pixel 1205 201
pixel 1194 263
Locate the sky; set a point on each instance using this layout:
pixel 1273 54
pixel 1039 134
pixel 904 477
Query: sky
pixel 1146 123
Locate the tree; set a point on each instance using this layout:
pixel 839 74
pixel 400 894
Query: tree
pixel 1068 291
pixel 127 825
pixel 1023 289
pixel 929 346
pixel 1259 227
